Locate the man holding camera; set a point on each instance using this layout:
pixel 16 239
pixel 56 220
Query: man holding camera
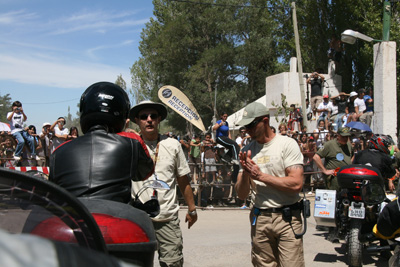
pixel 316 81
pixel 60 133
pixel 17 117
pixel 272 166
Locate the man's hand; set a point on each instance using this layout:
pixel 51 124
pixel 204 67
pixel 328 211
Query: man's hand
pixel 249 165
pixel 391 186
pixel 329 172
pixel 190 219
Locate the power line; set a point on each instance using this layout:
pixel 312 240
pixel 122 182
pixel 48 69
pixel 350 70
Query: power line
pixel 215 4
pixel 48 103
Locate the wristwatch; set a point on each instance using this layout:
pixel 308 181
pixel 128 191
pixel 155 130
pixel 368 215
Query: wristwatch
pixel 192 213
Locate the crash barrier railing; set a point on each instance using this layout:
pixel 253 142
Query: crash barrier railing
pixel 315 182
pixel 31 162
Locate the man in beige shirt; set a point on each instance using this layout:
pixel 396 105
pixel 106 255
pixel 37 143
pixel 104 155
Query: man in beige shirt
pixel 171 167
pixel 272 166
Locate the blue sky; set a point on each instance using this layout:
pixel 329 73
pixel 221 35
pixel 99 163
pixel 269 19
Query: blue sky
pixel 51 51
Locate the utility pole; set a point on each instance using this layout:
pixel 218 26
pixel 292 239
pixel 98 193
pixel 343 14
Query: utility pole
pixel 386 21
pixel 299 65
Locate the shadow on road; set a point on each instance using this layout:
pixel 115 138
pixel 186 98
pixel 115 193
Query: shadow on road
pixel 368 259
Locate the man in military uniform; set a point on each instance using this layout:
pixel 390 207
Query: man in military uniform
pixel 337 153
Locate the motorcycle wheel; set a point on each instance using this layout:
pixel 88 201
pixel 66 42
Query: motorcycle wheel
pixel 354 246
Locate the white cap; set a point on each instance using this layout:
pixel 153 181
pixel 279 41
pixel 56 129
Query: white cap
pixel 46 124
pixel 353 94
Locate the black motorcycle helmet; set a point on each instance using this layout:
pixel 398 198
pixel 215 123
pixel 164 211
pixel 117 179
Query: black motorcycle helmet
pixel 380 142
pixel 105 104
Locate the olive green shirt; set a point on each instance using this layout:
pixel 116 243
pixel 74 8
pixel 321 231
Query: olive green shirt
pixel 336 155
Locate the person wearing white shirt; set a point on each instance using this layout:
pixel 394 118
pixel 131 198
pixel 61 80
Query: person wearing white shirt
pixel 324 110
pixel 17 117
pixel 60 133
pixel 359 104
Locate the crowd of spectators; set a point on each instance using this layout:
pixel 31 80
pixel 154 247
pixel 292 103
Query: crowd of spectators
pixel 209 168
pixel 44 142
pixel 206 158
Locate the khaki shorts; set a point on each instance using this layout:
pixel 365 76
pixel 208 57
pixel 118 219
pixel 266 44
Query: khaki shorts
pixel 273 240
pixel 170 243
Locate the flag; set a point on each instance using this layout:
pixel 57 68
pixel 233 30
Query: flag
pixel 178 101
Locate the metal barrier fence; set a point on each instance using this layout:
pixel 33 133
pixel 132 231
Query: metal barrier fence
pixel 315 178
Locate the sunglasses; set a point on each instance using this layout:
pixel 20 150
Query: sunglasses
pixel 153 116
pixel 252 124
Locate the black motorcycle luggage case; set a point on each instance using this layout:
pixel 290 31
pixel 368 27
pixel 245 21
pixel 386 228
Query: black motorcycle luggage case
pixel 352 176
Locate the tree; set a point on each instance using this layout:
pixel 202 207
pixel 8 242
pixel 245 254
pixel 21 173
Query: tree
pixel 121 82
pixel 204 47
pixel 231 46
pixel 72 121
pixel 5 107
pixel 141 80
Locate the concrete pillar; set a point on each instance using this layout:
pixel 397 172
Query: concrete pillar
pixel 385 91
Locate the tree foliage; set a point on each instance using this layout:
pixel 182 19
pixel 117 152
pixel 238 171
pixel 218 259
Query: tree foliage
pixel 228 47
pixel 121 82
pixel 5 107
pixel 203 49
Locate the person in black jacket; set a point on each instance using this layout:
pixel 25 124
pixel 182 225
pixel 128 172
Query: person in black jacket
pixel 103 162
pixel 377 155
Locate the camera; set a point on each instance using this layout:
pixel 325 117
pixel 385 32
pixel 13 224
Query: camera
pixel 18 109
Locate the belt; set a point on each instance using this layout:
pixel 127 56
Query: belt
pixel 295 206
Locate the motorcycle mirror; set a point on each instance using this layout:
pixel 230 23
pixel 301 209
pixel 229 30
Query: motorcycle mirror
pixel 156 184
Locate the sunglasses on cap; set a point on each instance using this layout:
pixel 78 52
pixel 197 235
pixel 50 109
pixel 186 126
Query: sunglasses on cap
pixel 252 124
pixel 153 116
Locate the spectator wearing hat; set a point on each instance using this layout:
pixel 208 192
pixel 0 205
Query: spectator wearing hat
pixel 337 153
pixel 350 109
pixel 171 167
pixel 324 111
pixel 46 139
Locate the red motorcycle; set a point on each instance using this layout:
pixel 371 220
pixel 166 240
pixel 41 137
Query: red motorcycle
pixel 34 205
pixel 358 205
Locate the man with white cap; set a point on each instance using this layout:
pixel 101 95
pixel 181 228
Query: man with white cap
pixel 272 166
pixel 46 144
pixel 170 166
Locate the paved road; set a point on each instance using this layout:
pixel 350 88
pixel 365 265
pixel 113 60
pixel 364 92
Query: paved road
pixel 222 238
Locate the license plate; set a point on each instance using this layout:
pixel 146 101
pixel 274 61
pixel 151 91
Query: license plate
pixel 357 212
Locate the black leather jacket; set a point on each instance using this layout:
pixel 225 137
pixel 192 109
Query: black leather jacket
pixel 377 159
pixel 101 165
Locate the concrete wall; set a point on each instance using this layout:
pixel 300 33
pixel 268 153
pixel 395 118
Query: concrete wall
pixel 385 94
pixel 287 83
